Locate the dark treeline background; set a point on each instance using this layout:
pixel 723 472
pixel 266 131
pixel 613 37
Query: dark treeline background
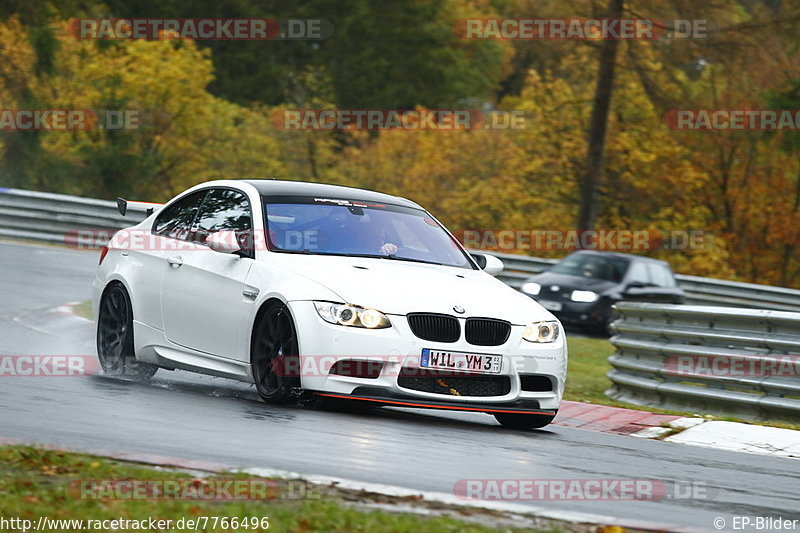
pixel 206 111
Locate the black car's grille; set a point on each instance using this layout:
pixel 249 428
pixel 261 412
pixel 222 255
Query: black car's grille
pixel 453 384
pixel 435 327
pixel 487 331
pixel 553 291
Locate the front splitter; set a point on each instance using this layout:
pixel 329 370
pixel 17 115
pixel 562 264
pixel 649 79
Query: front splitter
pixel 509 408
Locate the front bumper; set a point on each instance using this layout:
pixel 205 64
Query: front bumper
pixel 322 345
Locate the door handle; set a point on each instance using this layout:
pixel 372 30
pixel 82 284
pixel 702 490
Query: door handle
pixel 251 293
pixel 175 262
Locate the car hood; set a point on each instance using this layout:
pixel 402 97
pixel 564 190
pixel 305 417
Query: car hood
pixel 573 282
pixel 401 287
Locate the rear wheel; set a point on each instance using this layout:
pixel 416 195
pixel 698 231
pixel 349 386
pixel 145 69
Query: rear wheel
pixel 521 421
pixel 275 358
pixel 115 348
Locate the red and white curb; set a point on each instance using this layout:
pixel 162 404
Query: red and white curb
pixel 610 419
pixel 718 434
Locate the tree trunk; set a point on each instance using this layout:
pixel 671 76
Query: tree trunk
pixel 587 215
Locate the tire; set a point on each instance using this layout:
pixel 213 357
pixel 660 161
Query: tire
pixel 518 421
pixel 274 356
pixel 115 347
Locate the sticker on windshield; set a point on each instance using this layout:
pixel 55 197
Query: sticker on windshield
pixel 346 203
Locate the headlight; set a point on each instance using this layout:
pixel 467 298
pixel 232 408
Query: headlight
pixel 352 315
pixel 531 288
pixel 542 331
pixel 583 296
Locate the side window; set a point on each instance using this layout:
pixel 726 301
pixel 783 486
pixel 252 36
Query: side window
pixel 638 273
pixel 224 209
pixel 660 275
pixel 176 219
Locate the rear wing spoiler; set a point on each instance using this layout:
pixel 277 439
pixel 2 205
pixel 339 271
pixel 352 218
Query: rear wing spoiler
pixel 148 207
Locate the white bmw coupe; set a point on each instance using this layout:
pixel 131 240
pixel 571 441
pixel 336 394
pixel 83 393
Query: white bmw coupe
pixel 312 290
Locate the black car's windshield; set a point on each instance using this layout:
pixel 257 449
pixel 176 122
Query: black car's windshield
pixel 607 268
pixel 343 227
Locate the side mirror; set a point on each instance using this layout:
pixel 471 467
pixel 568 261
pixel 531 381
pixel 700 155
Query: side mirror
pixel 634 285
pixel 488 263
pixel 224 242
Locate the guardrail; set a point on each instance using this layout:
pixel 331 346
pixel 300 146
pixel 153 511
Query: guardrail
pixel 707 359
pixel 58 217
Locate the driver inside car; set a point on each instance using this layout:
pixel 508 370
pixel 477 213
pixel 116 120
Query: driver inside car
pixel 372 237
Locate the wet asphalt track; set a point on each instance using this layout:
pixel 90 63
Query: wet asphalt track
pixel 184 415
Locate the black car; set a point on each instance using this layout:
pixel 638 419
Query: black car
pixel 581 288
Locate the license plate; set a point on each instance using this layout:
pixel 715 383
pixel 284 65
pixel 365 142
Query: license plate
pixel 461 362
pixel 551 306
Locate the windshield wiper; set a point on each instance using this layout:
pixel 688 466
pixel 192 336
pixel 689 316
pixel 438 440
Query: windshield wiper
pixel 305 251
pixel 409 259
pixel 391 257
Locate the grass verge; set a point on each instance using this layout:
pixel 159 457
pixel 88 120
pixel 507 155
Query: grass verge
pixel 84 310
pixel 36 483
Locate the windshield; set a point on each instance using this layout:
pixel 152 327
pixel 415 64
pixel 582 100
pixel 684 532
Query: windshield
pixel 595 266
pixel 344 227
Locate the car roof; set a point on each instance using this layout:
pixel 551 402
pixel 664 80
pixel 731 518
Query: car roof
pixel 632 257
pixel 303 188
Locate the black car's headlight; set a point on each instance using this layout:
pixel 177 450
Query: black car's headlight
pixel 584 296
pixel 352 315
pixel 542 332
pixel 531 288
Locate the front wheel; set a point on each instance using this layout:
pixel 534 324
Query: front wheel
pixel 520 421
pixel 115 348
pixel 275 358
